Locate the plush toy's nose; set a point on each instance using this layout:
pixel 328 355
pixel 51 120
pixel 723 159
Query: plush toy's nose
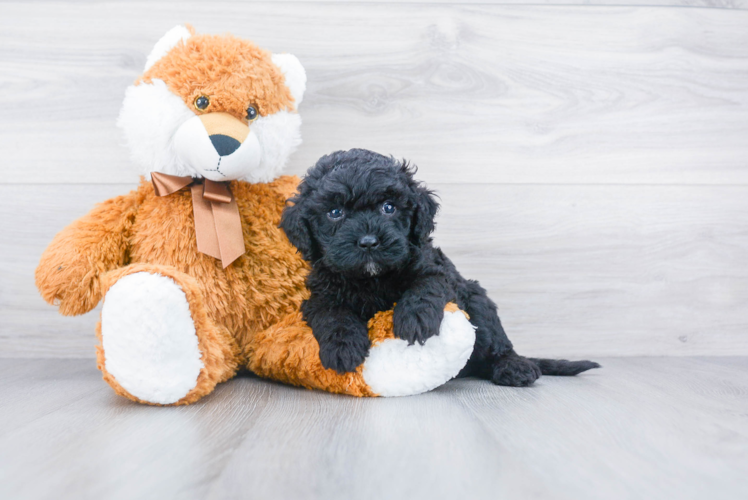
pixel 368 242
pixel 224 144
pixel 226 132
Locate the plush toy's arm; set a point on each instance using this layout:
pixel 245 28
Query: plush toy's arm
pixel 420 310
pixel 342 337
pixel 70 267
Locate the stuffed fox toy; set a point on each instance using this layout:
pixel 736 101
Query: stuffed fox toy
pixel 197 280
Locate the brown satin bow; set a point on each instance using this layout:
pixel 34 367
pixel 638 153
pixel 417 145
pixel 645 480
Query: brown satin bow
pixel 218 226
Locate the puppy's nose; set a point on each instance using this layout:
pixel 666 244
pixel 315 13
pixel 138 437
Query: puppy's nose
pixel 224 144
pixel 368 242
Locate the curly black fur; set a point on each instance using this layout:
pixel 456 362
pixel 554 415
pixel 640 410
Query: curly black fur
pixel 365 257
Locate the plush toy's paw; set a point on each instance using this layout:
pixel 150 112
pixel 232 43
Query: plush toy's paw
pixel 69 285
pixel 395 368
pixel 416 322
pixel 344 353
pixel 149 338
pixel 514 370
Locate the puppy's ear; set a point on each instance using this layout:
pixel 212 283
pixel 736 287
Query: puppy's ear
pixel 296 228
pixel 426 207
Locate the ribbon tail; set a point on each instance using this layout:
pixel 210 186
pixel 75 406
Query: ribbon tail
pixel 228 227
pixel 205 226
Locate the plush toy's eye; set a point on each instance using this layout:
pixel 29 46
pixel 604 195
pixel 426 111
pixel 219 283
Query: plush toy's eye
pixel 335 214
pixel 202 102
pixel 388 208
pixel 252 113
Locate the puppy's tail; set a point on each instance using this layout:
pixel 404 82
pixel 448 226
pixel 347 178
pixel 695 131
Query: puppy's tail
pixel 563 367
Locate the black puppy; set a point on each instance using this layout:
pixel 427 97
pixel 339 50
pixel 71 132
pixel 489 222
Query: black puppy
pixel 364 224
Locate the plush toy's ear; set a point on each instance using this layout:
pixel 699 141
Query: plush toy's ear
pixel 294 73
pixel 168 42
pixel 425 211
pixel 297 228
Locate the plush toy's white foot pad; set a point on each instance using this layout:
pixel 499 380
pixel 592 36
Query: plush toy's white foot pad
pixel 393 368
pixel 149 338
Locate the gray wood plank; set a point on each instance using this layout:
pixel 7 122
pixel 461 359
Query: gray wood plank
pixel 71 435
pixel 606 270
pixel 576 270
pixel 480 93
pixel 701 4
pixel 647 410
pixel 638 428
pixel 32 215
pixel 356 448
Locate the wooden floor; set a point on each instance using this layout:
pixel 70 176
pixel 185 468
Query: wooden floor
pixel 640 428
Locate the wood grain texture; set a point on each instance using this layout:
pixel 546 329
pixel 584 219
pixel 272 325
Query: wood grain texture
pixel 32 215
pixel 478 93
pixel 606 270
pixel 700 4
pixel 591 159
pixel 638 428
pixel 576 270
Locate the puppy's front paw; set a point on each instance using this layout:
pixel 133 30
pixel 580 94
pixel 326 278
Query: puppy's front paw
pixel 344 353
pixel 416 323
pixel 513 370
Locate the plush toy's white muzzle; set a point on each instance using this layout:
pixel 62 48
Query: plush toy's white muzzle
pixel 217 146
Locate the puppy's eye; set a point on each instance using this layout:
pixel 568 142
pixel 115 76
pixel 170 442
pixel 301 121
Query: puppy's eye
pixel 252 113
pixel 335 214
pixel 202 102
pixel 388 208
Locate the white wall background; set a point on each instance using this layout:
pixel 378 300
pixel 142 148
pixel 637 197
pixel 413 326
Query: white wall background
pixel 592 160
